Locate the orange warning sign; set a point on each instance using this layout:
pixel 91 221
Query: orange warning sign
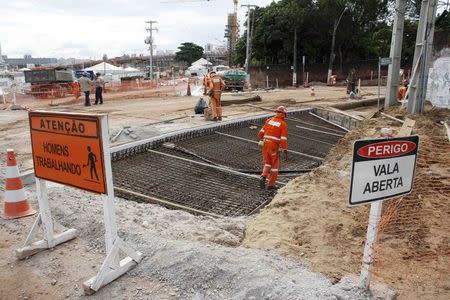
pixel 68 149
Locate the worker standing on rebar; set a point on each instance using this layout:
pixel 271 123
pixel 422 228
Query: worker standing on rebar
pixel 99 86
pixel 273 138
pixel 216 86
pixel 85 86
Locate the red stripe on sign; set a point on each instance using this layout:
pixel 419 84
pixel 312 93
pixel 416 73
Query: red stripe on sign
pixel 386 149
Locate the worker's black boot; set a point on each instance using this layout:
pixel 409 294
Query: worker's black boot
pixel 219 118
pixel 272 188
pixel 262 182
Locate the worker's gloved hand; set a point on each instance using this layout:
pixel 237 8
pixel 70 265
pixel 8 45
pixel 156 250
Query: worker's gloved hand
pixel 261 143
pixel 285 153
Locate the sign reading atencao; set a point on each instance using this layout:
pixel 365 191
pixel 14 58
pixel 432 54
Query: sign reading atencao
pixel 67 148
pixel 382 168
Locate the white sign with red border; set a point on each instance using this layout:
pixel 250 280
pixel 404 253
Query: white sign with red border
pixel 382 168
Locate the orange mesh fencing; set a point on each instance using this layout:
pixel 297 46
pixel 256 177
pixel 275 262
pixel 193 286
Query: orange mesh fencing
pixel 412 248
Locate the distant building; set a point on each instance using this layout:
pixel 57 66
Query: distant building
pixel 209 47
pixel 28 60
pixel 2 60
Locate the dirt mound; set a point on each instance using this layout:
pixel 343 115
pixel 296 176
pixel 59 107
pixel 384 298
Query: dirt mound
pixel 309 218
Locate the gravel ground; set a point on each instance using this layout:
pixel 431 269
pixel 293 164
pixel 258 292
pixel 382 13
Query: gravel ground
pixel 186 256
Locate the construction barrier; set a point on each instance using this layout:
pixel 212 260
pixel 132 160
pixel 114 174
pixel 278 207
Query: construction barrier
pixel 411 249
pixel 87 162
pixel 16 204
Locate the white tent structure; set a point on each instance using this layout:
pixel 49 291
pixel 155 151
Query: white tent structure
pixel 201 62
pixel 104 68
pixel 131 69
pixel 198 68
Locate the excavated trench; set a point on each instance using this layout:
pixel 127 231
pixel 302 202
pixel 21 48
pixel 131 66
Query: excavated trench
pixel 214 169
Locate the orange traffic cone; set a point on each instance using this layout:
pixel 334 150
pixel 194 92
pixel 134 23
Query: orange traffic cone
pixel 16 204
pixel 313 93
pixel 188 93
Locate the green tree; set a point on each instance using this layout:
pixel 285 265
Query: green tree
pixel 363 32
pixel 189 52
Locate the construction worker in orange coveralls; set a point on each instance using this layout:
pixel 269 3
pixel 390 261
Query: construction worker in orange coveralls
pixel 273 138
pixel 402 91
pixel 206 81
pixel 216 87
pixel 76 89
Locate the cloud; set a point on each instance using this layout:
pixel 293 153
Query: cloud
pixel 87 29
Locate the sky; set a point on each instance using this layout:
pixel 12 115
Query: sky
pixel 89 29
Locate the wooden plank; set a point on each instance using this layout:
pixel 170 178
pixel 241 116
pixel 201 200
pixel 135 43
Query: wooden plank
pixel 125 265
pixel 407 127
pixel 314 125
pixel 329 122
pixel 43 245
pixel 391 117
pixel 447 127
pixel 371 115
pixel 333 109
pixel 32 234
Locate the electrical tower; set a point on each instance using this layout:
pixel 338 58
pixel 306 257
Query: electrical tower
pixel 150 41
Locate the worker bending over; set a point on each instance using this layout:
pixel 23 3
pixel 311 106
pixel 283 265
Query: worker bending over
pixel 273 136
pixel 216 86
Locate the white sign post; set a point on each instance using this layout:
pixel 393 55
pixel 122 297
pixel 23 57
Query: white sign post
pixel 44 218
pixel 382 169
pixel 112 267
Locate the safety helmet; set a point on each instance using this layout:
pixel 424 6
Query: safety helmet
pixel 281 109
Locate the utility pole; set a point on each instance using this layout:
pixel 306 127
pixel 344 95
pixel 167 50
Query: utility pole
pixel 149 40
pixel 333 42
pixel 422 54
pixel 395 54
pixel 294 73
pixel 249 34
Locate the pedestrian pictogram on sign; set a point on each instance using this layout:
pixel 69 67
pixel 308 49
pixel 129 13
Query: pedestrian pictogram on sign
pixel 67 148
pixel 382 168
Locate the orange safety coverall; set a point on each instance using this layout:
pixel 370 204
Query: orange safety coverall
pixel 76 89
pixel 216 86
pixel 274 134
pixel 401 93
pixel 206 81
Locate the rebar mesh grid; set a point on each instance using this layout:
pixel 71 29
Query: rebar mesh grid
pixel 201 187
pixel 189 184
pixel 237 154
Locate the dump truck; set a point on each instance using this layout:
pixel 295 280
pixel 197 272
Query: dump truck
pixel 234 79
pixel 49 83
